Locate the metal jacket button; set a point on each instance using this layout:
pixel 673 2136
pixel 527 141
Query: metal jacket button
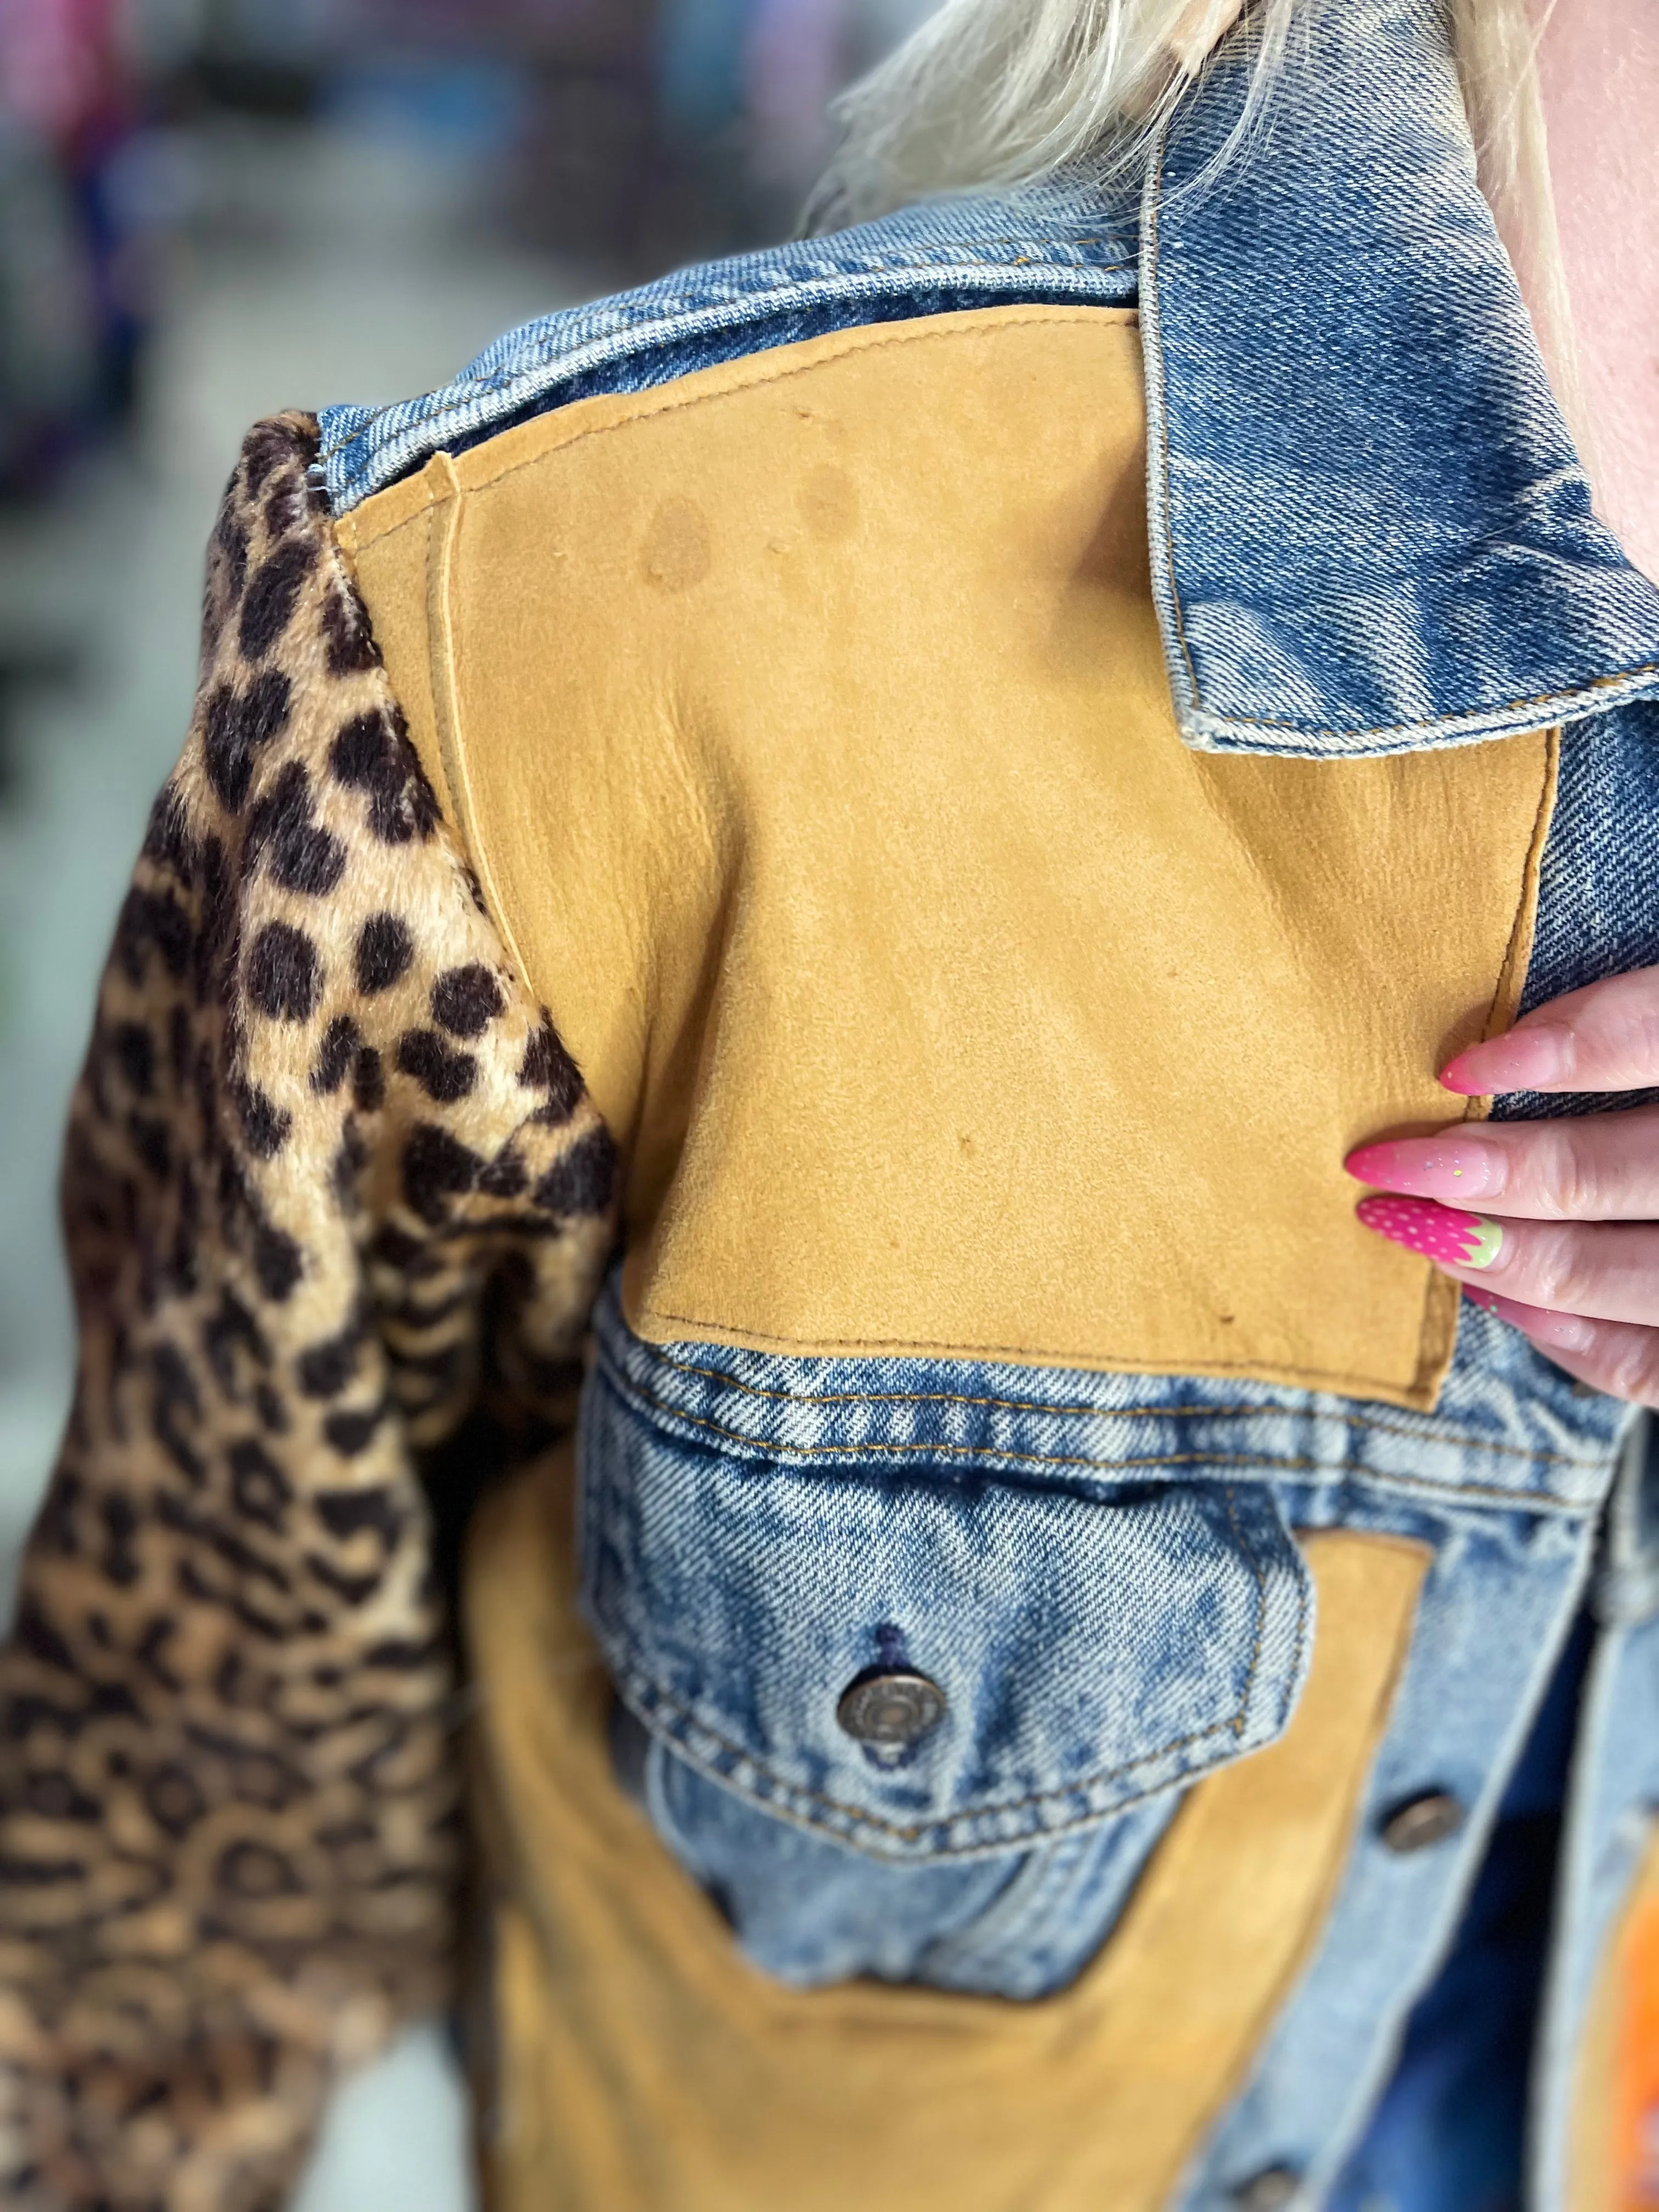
pixel 890 1709
pixel 1269 2192
pixel 1421 1821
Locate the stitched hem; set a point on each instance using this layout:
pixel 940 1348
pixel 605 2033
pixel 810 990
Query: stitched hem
pixel 1511 718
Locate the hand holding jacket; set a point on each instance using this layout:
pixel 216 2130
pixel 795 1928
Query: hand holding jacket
pixel 1565 1246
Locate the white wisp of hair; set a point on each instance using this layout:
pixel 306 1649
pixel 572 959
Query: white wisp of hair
pixel 1000 93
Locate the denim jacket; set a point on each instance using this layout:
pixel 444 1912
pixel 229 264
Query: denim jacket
pixel 1369 534
pixel 975 1672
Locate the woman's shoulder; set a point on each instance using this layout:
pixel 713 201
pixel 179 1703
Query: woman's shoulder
pixel 1060 242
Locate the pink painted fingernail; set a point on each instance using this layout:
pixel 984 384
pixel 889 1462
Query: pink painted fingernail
pixel 1431 1167
pixel 1562 1332
pixel 1559 1332
pixel 1440 1233
pixel 1566 1332
pixel 1532 1059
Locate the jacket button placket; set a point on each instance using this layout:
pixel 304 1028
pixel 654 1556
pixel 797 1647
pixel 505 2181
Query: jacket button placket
pixel 1274 2189
pixel 891 1710
pixel 1421 1822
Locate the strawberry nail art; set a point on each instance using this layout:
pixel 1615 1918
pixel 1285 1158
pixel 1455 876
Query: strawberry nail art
pixel 1440 1233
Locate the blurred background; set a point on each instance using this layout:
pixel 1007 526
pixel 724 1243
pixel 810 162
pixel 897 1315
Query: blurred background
pixel 213 209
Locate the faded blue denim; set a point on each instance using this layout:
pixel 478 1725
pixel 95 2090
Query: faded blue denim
pixel 1097 1569
pixel 1370 533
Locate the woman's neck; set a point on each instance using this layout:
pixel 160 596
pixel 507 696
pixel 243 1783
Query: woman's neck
pixel 1599 68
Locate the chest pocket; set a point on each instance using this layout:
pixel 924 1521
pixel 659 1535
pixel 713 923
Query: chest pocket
pixel 924 1664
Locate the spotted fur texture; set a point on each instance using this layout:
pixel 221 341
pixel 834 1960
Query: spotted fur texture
pixel 330 1180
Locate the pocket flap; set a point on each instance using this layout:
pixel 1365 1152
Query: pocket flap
pixel 1020 1660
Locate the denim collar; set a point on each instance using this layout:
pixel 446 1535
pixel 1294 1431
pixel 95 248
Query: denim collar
pixel 1369 530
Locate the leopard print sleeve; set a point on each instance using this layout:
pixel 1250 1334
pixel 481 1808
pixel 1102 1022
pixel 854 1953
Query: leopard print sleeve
pixel 330 1178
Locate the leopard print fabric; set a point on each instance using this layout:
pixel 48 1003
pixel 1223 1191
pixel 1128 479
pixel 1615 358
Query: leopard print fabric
pixel 331 1179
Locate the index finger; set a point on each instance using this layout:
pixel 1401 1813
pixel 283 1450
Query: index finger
pixel 1603 1037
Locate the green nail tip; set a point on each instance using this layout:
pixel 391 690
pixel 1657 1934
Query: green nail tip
pixel 1487 1243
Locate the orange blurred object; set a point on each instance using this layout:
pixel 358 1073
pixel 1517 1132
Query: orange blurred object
pixel 1637 2114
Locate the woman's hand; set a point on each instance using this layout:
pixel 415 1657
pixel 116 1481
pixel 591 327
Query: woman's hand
pixel 1553 1225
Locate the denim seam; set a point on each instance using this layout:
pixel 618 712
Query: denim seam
pixel 1229 1500
pixel 1109 1413
pixel 1639 673
pixel 1530 1501
pixel 1023 1919
pixel 1152 210
pixel 651 333
pixel 536 379
pixel 1310 1377
pixel 1232 1725
pixel 501 380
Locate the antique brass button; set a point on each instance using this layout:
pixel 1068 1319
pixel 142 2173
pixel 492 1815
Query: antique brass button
pixel 1421 1821
pixel 1269 2192
pixel 890 1709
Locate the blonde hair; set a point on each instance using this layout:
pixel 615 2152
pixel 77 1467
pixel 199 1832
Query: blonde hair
pixel 1004 93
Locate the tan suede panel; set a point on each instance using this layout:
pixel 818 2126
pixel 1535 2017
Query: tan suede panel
pixel 808 726
pixel 643 2068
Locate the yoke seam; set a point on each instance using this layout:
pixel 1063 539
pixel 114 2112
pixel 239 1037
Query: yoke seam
pixel 856 339
pixel 1520 1500
pixel 1329 1377
pixel 656 331
pixel 1106 1412
pixel 968 323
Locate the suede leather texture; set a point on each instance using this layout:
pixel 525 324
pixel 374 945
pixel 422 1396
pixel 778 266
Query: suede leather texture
pixel 808 727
